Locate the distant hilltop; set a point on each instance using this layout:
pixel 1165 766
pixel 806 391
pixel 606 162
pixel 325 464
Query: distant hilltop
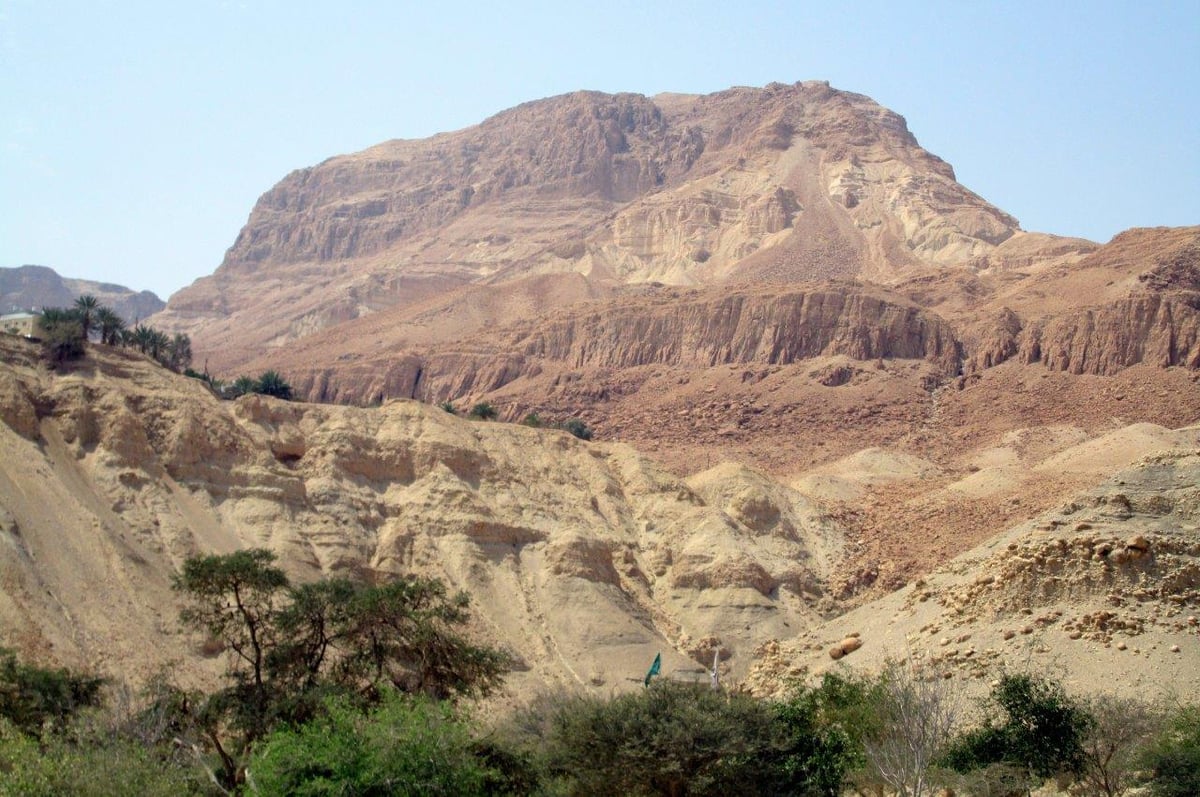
pixel 28 287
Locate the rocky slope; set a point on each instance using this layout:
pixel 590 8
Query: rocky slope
pixel 583 559
pixel 796 182
pixel 26 287
pixel 1103 591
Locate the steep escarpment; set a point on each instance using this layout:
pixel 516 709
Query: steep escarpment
pixel 1135 300
pixel 657 327
pixel 584 559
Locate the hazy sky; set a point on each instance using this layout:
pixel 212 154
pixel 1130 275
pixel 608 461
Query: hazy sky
pixel 135 137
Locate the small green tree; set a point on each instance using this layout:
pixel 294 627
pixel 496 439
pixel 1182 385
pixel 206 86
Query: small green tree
pixel 1173 758
pixel 1034 725
pixel 61 336
pixel 291 647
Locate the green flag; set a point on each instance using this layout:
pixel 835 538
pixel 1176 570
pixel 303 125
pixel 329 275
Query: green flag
pixel 654 668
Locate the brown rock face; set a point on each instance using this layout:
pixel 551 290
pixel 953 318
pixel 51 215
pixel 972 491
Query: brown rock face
pixel 662 327
pixel 791 183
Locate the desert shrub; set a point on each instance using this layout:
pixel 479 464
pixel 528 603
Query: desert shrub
pixel 483 411
pixel 404 746
pixel 577 427
pixel 34 699
pixel 91 766
pixel 533 419
pixel 1115 743
pixel 449 407
pixel 1172 759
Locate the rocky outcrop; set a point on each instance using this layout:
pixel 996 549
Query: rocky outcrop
pixel 1158 330
pixel 26 287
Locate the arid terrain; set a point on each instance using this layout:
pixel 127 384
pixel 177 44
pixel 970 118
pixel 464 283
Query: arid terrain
pixel 833 392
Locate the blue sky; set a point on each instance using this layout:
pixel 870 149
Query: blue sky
pixel 135 137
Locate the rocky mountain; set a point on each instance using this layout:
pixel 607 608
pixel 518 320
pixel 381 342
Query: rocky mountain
pixel 785 183
pixel 26 287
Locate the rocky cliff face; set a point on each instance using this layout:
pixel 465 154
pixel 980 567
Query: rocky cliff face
pixel 791 183
pixel 660 327
pixel 1136 300
pixel 37 286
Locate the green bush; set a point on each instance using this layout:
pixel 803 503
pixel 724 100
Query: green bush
pixel 483 411
pixel 671 739
pixel 405 746
pixel 90 767
pixel 1173 759
pixel 34 699
pixel 1034 726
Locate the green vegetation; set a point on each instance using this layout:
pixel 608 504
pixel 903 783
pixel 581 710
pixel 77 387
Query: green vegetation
pixel 342 688
pixel 1033 727
pixel 290 649
pixel 66 331
pixel 483 411
pixel 578 428
pixel 33 699
pixel 404 746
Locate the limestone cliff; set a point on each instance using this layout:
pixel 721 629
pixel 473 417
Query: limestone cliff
pixel 660 326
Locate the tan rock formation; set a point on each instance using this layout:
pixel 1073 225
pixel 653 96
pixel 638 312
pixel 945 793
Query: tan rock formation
pixel 583 559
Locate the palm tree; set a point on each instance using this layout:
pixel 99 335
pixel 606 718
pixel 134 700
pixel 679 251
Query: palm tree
pixel 158 345
pixel 111 326
pixel 142 337
pixel 272 384
pixel 86 307
pixel 179 352
pixel 243 385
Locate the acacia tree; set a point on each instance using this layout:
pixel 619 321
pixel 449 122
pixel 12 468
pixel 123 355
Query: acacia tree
pixel 292 647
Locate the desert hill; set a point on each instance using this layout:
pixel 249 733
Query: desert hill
pixel 1102 591
pixel 584 559
pixel 26 287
